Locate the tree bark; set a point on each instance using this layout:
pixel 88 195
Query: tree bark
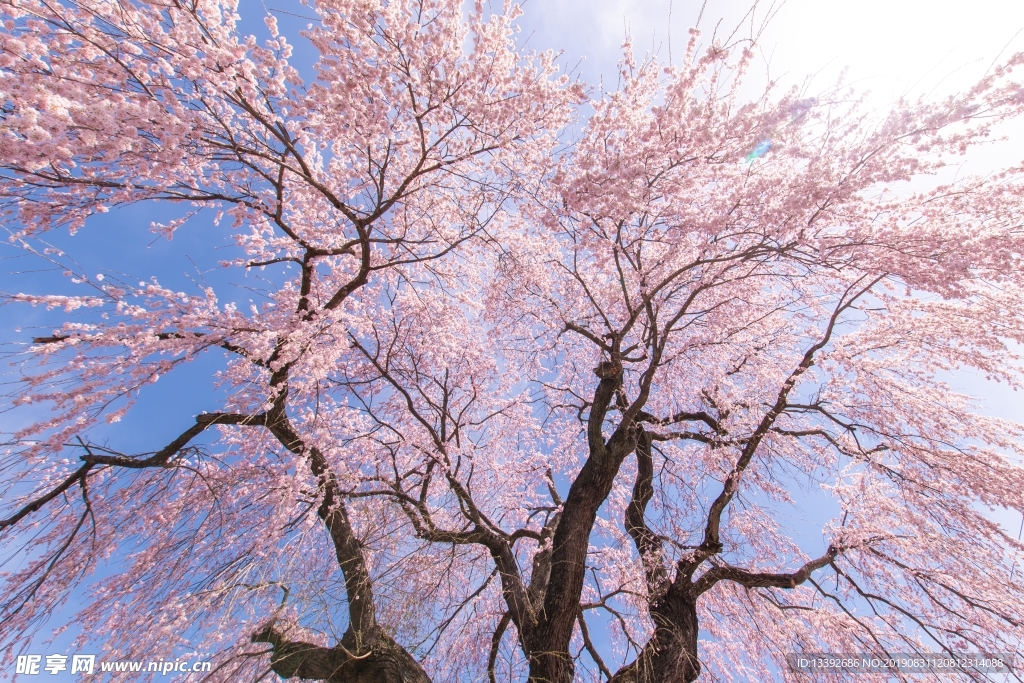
pixel 670 656
pixel 365 654
pixel 548 643
pixel 383 660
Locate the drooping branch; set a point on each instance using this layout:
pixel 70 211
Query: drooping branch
pixel 480 529
pixel 224 344
pixel 712 543
pixel 161 458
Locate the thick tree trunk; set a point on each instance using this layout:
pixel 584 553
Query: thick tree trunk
pixel 551 667
pixel 670 656
pixel 381 660
pixel 548 643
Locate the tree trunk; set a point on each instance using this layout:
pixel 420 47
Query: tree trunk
pixel 551 667
pixel 550 661
pixel 380 661
pixel 670 656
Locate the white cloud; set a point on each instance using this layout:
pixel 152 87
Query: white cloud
pixel 890 47
pixel 891 43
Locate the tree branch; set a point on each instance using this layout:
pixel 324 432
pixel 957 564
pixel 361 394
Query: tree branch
pixel 712 542
pixel 159 459
pixel 762 579
pixel 648 545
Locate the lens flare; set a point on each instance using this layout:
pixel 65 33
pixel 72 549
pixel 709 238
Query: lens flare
pixel 760 150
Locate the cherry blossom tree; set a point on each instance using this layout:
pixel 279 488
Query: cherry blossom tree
pixel 523 403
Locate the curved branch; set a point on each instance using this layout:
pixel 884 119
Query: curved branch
pixel 712 542
pixel 762 579
pixel 492 656
pixel 159 459
pixel 589 644
pixel 647 543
